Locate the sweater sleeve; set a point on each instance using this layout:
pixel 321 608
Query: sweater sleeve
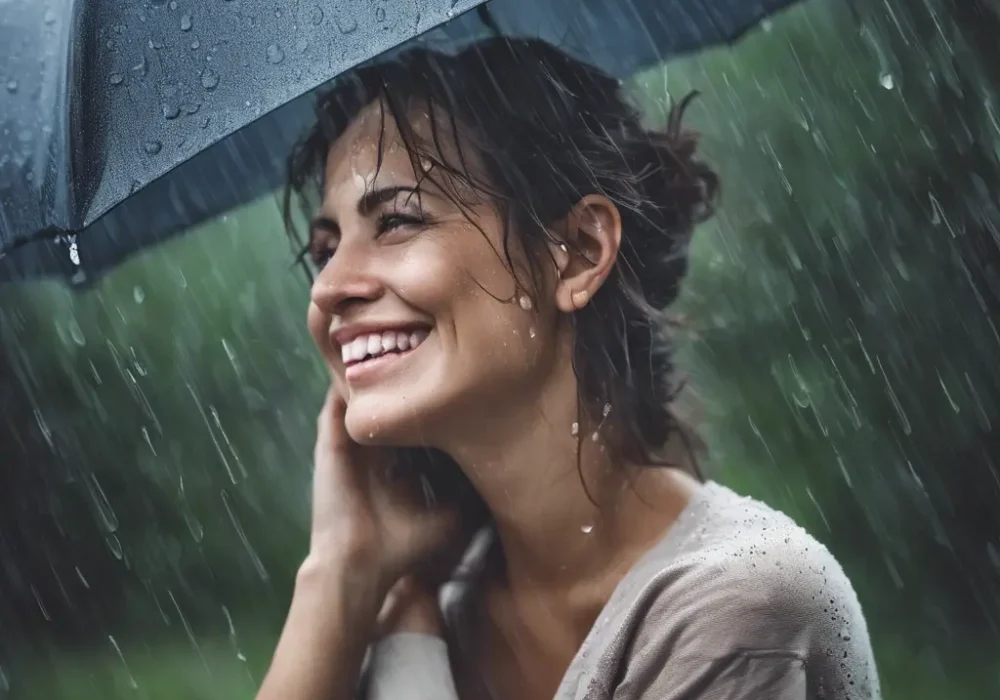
pixel 409 667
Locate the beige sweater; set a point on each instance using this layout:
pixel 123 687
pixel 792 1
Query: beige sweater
pixel 736 602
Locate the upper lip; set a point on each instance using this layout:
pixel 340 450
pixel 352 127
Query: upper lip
pixel 347 333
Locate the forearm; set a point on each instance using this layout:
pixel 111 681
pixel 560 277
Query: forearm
pixel 322 646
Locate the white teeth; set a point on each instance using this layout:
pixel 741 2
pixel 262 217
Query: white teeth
pixel 375 344
pixel 359 347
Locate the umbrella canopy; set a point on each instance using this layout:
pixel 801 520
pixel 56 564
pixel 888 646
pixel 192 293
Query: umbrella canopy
pixel 123 122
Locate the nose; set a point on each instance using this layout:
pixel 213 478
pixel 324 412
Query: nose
pixel 345 281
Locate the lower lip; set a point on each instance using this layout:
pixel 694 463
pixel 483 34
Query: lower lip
pixel 370 370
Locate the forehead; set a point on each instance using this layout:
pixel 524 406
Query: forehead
pixel 353 158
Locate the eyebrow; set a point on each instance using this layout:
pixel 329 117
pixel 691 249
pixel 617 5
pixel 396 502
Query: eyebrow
pixel 367 203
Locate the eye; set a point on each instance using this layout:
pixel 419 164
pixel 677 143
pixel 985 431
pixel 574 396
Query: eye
pixel 393 220
pixel 320 254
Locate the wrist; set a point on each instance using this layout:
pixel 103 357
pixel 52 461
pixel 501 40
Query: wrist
pixel 350 588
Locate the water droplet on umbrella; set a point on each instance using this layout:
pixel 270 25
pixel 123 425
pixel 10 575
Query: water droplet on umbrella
pixel 195 45
pixel 316 15
pixel 205 121
pixel 116 79
pixel 152 147
pixel 887 81
pixel 209 79
pixel 274 54
pixel 173 4
pixel 141 68
pixel 50 16
pixel 170 111
pixel 155 44
pixel 301 45
pixel 349 28
pixel 12 85
pixel 138 294
pixel 186 22
pixel 380 14
pixel 190 108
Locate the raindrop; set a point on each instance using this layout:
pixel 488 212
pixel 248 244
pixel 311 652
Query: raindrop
pixel 11 85
pixel 115 545
pixel 152 147
pixel 170 111
pixel 887 81
pixel 274 54
pixel 186 22
pixel 209 79
pixel 316 16
pixel 607 410
pixel 348 28
pixel 587 529
pixel 138 294
pixel 116 79
pixel 142 67
pixel 76 333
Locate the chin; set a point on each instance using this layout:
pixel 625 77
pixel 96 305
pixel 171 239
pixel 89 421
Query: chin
pixel 389 421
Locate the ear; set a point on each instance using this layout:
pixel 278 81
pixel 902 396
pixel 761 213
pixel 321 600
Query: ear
pixel 592 232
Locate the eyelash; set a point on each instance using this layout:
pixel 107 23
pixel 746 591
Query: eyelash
pixel 385 223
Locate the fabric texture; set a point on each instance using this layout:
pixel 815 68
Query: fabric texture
pixel 736 602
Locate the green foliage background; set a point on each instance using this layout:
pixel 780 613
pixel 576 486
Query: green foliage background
pixel 156 431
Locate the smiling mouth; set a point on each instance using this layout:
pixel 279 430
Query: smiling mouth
pixel 371 346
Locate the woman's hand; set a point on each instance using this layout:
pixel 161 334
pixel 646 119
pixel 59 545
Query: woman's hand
pixel 376 527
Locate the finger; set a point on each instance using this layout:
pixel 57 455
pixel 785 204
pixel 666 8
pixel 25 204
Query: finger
pixel 331 433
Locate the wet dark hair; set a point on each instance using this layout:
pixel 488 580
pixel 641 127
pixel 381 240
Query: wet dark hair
pixel 546 130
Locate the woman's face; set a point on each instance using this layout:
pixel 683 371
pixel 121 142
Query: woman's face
pixel 414 308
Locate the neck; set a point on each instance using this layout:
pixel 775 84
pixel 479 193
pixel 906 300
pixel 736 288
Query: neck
pixel 565 510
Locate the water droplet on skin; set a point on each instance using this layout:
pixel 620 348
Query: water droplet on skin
pixel 587 529
pixel 887 81
pixel 531 333
pixel 525 303
pixel 152 147
pixel 575 429
pixel 275 55
pixel 209 79
pixel 138 295
pixel 116 79
pixel 607 409
pixel 595 437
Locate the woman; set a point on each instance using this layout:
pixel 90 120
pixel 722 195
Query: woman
pixel 497 240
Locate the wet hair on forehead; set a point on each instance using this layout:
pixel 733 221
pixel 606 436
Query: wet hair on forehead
pixel 531 130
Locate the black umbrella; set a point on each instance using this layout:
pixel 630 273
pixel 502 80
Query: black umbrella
pixel 123 122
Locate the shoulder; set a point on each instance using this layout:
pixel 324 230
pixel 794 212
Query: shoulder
pixel 746 585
